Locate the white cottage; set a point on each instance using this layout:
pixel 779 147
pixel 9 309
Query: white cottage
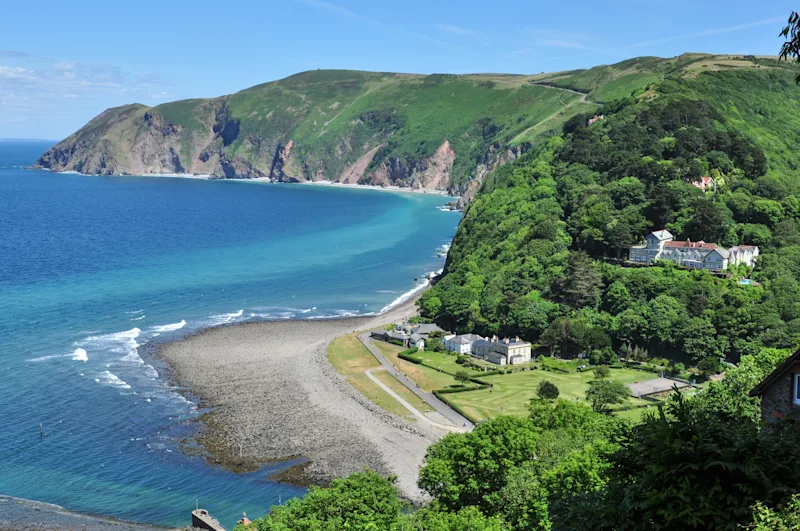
pixel 460 344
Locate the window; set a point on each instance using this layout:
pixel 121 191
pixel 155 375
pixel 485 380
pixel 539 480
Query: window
pixel 796 395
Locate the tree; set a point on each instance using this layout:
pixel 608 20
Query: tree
pixel 363 500
pixel 461 377
pixel 547 390
pixel 709 365
pixel 678 470
pixel 583 283
pixel 785 519
pixel 559 333
pixel 434 518
pixel 602 372
pixel 472 468
pixel 791 48
pixel 604 393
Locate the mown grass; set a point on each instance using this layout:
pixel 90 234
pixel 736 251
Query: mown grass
pixel 378 396
pixel 392 383
pixel 511 393
pixel 349 356
pixel 427 378
pixel 351 359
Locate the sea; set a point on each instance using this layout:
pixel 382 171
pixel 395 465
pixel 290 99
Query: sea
pixel 95 270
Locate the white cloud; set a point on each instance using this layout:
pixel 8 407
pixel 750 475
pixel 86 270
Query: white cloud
pixel 706 33
pixel 160 95
pixel 335 8
pixel 456 30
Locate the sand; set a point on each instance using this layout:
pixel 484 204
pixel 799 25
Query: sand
pixel 273 395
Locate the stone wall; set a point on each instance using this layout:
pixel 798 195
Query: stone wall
pixel 776 402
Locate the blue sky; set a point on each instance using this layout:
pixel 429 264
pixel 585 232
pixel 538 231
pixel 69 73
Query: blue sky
pixel 61 63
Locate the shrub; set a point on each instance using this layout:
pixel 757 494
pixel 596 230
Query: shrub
pixel 547 390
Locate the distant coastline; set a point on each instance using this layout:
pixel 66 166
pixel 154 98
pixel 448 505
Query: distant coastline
pixel 205 177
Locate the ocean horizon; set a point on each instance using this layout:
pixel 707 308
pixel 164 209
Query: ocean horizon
pixel 95 271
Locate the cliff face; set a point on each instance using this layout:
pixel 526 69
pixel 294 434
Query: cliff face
pixel 427 132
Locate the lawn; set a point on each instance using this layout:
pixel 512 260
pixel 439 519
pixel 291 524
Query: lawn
pixel 427 378
pixel 511 393
pixel 378 396
pixel 351 359
pixel 392 383
pixel 448 363
pixel 349 356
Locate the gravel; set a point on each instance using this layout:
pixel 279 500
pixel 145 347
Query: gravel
pixel 274 396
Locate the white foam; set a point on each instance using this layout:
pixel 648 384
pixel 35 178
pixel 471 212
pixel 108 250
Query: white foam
pixel 111 379
pixel 134 312
pixel 132 357
pixel 225 318
pixel 45 358
pixel 138 318
pixel 78 355
pixel 410 293
pixel 133 333
pixel 151 372
pixel 169 327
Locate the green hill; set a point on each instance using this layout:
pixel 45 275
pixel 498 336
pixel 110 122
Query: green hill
pixel 437 131
pixel 535 252
pixel 442 132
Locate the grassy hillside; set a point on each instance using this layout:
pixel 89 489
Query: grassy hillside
pixel 437 131
pixel 535 252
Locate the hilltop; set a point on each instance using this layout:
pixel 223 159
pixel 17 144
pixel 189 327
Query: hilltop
pixel 540 251
pixel 442 132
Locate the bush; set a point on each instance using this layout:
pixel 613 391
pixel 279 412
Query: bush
pixel 547 390
pixel 408 355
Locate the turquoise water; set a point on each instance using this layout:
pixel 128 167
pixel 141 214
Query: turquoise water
pixel 94 269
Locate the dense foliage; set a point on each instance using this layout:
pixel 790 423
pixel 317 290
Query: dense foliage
pixel 697 463
pixel 536 252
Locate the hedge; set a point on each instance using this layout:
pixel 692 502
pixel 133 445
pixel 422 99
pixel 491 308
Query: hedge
pixel 409 357
pixel 451 390
pixel 456 408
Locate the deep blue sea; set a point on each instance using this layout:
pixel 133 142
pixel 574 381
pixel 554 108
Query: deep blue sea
pixel 92 269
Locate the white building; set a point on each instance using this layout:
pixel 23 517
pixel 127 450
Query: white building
pixel 661 245
pixel 460 344
pixel 743 254
pixel 505 352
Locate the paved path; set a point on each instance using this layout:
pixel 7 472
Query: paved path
pixel 583 95
pixel 408 406
pixel 449 413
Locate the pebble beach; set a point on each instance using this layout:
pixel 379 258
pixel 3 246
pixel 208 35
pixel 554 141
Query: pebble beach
pixel 272 395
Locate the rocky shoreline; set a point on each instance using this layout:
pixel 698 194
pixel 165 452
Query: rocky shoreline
pixel 273 396
pixel 17 514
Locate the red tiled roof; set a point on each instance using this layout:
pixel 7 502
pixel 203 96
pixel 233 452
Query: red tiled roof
pixel 692 245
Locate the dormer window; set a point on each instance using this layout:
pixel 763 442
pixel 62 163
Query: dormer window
pixel 796 394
